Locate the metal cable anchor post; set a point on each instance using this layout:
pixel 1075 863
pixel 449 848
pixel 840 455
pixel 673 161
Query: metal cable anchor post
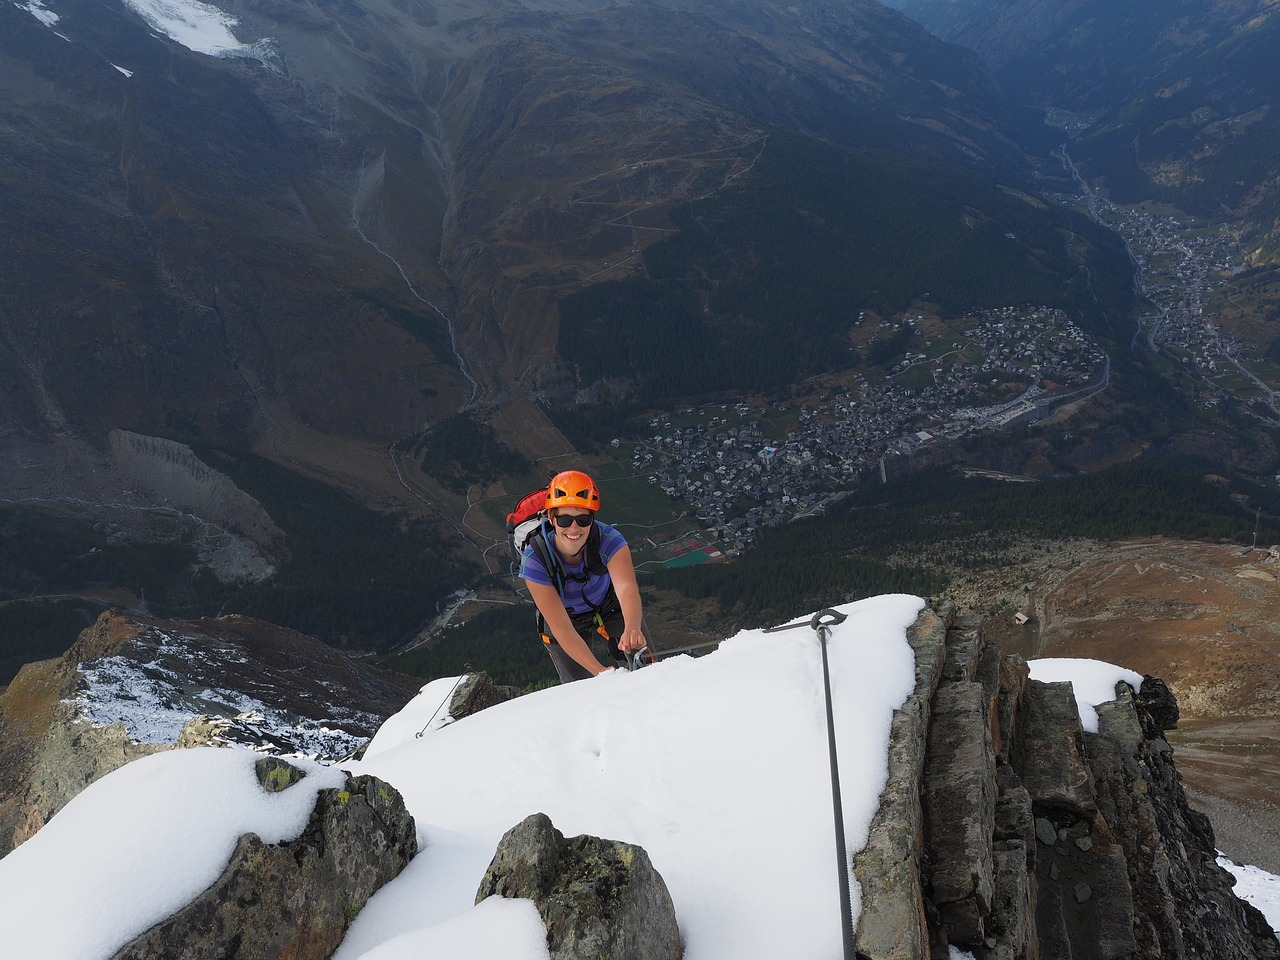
pixel 822 622
pixel 448 698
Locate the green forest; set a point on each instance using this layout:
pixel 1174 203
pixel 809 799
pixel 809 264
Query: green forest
pixel 60 554
pixel 763 283
pixel 346 574
pixel 351 576
pixel 52 566
pixel 502 641
pixel 460 451
pixel 38 630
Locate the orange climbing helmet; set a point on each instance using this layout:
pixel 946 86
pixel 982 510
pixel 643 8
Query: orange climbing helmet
pixel 572 488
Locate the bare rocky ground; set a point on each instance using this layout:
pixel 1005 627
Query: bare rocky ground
pixel 1205 618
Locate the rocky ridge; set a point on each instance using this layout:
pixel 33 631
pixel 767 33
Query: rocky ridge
pixel 1009 831
pixel 297 898
pixel 133 685
pixel 1005 829
pixel 1201 616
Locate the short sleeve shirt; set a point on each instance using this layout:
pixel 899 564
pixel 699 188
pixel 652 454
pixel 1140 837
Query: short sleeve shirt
pixel 583 592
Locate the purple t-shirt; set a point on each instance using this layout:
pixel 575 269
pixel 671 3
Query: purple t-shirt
pixel 583 592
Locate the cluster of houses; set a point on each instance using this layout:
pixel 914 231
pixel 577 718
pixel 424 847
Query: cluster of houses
pixel 1003 366
pixel 1179 266
pixel 1179 269
pixel 1040 343
pixel 739 479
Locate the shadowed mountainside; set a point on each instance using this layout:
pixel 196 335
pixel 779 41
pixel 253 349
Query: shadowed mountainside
pixel 1170 102
pixel 368 219
pixel 372 223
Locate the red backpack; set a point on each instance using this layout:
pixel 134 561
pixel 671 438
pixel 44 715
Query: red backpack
pixel 525 520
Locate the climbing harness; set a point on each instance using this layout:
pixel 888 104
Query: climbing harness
pixel 821 623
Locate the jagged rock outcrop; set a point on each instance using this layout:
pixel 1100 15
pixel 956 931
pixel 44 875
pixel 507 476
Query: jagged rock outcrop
pixel 295 899
pixel 892 923
pixel 133 685
pixel 478 692
pixel 1010 832
pixel 1005 829
pixel 598 898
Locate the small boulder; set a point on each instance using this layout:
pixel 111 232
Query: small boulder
pixel 293 900
pixel 478 692
pixel 276 775
pixel 599 899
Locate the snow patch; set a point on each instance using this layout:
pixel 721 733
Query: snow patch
pixel 38 10
pixel 153 702
pixel 81 896
pixel 1093 681
pixel 200 27
pixel 1257 887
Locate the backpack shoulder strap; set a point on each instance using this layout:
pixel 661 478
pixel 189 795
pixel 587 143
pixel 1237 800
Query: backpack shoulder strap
pixel 546 555
pixel 537 541
pixel 595 564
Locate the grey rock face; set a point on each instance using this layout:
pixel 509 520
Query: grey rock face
pixel 892 922
pixel 959 807
pixel 598 898
pixel 296 899
pixel 1052 760
pixel 1183 904
pixel 1031 839
pixel 69 757
pixel 478 692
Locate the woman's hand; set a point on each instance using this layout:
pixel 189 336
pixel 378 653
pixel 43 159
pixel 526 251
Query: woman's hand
pixel 631 640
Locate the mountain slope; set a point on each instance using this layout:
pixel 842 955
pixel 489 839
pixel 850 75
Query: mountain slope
pixel 1204 136
pixel 219 247
pixel 1178 97
pixel 1082 54
pixel 355 220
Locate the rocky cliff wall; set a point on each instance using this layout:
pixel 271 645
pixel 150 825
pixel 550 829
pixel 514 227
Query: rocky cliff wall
pixel 236 527
pixel 1008 831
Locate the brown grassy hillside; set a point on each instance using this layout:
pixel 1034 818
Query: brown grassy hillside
pixel 1206 619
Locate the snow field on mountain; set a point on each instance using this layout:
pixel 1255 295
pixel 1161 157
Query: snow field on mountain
pixel 717 766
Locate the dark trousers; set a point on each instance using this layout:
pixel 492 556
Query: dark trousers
pixel 605 648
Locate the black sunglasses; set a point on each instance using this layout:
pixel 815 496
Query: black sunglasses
pixel 569 519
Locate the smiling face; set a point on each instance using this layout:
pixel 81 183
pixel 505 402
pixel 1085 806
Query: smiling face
pixel 571 539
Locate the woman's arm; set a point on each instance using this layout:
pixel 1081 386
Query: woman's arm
pixel 623 573
pixel 561 627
